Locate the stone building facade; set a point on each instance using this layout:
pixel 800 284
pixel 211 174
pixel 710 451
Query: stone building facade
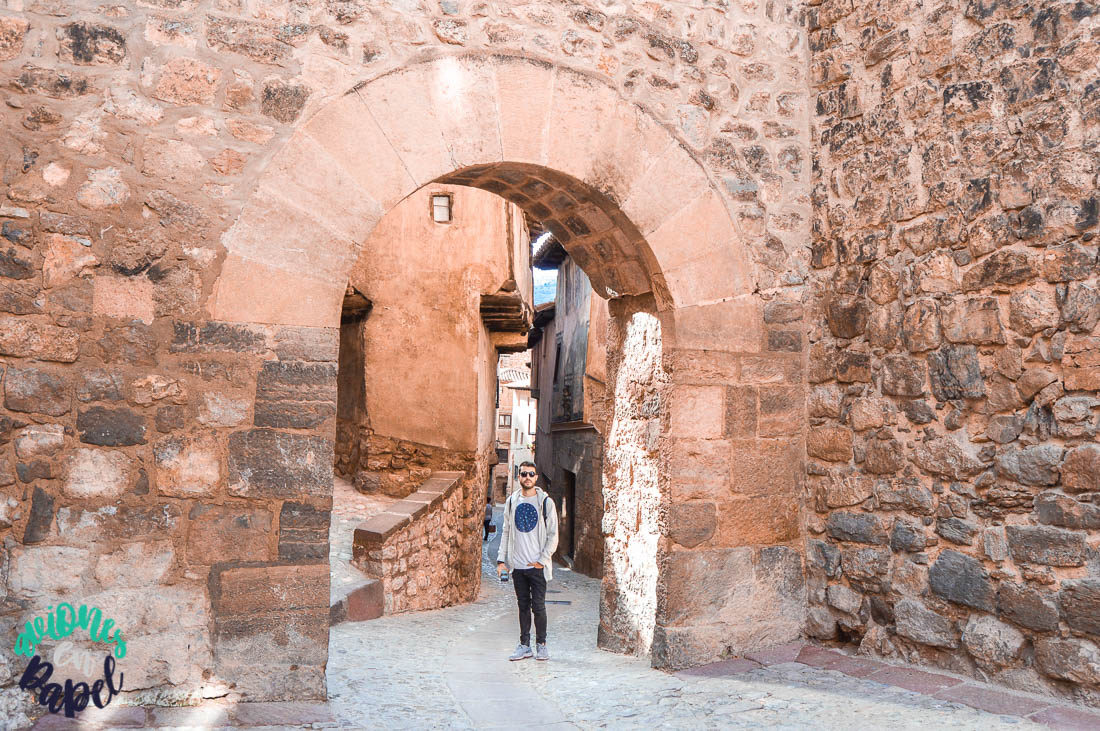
pixel 447 275
pixel 875 219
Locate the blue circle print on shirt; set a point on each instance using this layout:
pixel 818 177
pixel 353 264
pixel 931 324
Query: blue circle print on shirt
pixel 526 517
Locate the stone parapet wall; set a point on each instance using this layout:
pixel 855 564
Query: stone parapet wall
pixel 955 356
pixel 414 547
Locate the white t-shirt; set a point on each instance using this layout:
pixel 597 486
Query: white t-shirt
pixel 525 519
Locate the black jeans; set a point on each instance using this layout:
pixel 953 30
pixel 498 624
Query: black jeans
pixel 531 592
pixel 487 524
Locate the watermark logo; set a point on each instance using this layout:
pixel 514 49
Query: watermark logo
pixel 58 624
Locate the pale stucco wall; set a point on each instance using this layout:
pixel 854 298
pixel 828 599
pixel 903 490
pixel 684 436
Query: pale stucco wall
pixel 425 280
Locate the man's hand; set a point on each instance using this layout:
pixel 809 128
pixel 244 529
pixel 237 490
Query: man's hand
pixel 500 568
pixel 537 565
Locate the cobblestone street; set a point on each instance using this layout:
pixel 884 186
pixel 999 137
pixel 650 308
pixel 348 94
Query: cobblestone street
pixel 448 669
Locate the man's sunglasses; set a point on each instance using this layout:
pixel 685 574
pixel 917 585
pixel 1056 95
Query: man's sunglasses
pixel 526 474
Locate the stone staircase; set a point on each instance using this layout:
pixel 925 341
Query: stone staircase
pixel 357 603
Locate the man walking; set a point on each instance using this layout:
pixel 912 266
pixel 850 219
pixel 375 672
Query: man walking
pixel 527 542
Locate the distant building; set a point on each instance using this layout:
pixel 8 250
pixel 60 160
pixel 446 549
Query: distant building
pixel 568 377
pixel 515 422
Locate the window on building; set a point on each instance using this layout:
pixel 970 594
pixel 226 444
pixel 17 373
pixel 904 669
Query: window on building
pixel 505 421
pixel 557 359
pixel 441 208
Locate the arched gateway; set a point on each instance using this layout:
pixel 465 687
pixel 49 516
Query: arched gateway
pixel 633 207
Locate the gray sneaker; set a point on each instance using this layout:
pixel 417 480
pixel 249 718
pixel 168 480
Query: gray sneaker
pixel 541 653
pixel 522 652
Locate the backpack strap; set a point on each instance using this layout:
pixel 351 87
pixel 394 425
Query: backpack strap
pixel 544 518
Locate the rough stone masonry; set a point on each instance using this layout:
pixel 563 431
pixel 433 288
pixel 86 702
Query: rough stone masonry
pixel 867 229
pixel 954 473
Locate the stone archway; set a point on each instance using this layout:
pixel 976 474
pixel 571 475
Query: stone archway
pixel 648 225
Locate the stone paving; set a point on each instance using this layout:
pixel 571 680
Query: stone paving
pixel 349 508
pixel 447 669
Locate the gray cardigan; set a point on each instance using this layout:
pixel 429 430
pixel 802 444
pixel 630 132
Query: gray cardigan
pixel 548 532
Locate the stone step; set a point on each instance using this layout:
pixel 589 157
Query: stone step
pixel 360 604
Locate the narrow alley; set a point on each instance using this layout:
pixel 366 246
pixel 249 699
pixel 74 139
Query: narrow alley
pixel 448 669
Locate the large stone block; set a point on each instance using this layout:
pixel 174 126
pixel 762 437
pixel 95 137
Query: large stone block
pixel 1081 469
pixel 705 587
pixel 207 337
pixel 136 564
pixel 829 443
pixel 907 495
pixel 857 528
pixel 107 427
pixel 741 412
pixel 918 623
pixel 96 474
pixel 37 391
pixel 698 412
pixel 692 523
pixel 1027 607
pixel 91 44
pixel 270 464
pixel 12 32
pixel 765 466
pixel 699 468
pixel 1036 465
pixel 959 578
pixel 48 571
pixel 303 532
pixel 755 521
pixel 186 81
pixel 866 568
pixel 992 643
pixel 1081 364
pixel 946 457
pixel 955 373
pixel 1032 310
pixel 271 628
pixel 1046 546
pixel 1080 600
pixel 1054 508
pixel 1077 661
pixel 974 320
pixel 295 395
pixel 187 466
pixel 123 522
pixel 920 329
pixel 781 412
pixel 39 440
pixel 216 534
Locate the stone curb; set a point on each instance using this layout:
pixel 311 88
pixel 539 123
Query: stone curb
pixel 1038 709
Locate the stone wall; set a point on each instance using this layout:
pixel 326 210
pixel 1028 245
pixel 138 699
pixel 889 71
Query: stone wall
pixel 955 362
pixel 633 488
pixel 414 548
pixel 185 189
pixel 166 475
